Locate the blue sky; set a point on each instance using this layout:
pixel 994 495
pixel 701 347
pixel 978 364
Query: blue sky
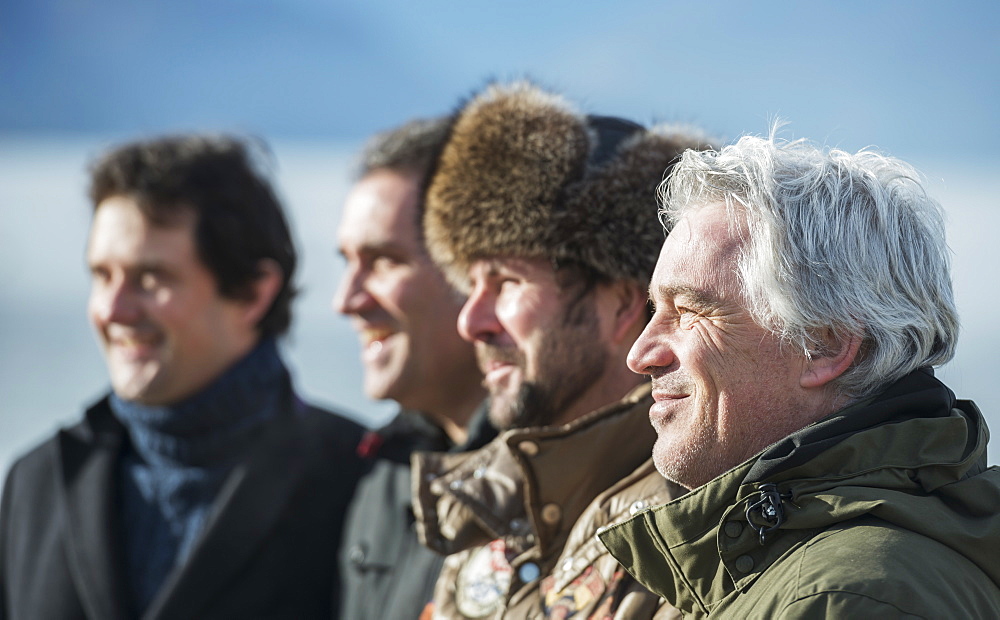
pixel 920 80
pixel 910 77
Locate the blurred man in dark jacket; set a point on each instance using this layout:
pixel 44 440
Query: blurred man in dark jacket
pixel 404 312
pixel 201 486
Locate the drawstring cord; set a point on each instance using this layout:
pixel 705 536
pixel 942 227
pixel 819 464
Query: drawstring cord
pixel 768 507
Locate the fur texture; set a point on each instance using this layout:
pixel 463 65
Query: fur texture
pixel 514 180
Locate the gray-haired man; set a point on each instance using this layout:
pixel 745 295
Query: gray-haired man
pixel 801 300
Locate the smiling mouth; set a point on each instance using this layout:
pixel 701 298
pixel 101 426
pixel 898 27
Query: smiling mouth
pixel 496 372
pixel 661 397
pixel 133 346
pixel 371 335
pixel 491 365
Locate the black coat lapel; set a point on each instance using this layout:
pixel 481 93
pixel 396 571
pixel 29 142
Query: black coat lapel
pixel 249 504
pixel 87 457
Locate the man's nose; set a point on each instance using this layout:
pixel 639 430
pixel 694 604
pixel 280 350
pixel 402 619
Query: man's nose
pixel 651 352
pixel 477 321
pixel 115 301
pixel 351 296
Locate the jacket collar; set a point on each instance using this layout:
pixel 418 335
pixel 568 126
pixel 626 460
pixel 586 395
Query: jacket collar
pixel 249 503
pixel 87 455
pixel 529 485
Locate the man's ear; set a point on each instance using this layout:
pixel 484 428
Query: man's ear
pixel 826 365
pixel 263 290
pixel 630 309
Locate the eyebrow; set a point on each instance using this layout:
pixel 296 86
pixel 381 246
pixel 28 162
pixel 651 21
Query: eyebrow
pixel 144 265
pixel 496 266
pixel 376 247
pixel 692 296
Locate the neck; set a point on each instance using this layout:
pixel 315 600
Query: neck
pixel 616 382
pixel 454 412
pixel 212 425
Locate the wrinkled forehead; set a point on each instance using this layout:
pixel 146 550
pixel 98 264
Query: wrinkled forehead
pixel 703 250
pixel 713 228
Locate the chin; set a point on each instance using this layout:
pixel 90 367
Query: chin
pixel 501 414
pixel 382 388
pixel 131 386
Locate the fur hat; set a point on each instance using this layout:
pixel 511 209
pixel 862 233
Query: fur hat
pixel 524 174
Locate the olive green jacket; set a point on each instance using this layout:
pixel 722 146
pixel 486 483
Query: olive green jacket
pixel 885 509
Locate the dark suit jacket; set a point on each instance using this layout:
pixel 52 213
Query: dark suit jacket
pixel 268 550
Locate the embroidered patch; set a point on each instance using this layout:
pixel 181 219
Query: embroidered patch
pixel 578 596
pixel 484 580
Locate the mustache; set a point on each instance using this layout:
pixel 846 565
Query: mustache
pixel 486 353
pixel 671 383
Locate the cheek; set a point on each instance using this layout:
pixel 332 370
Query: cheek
pixel 518 313
pixel 394 292
pixel 510 314
pixel 704 353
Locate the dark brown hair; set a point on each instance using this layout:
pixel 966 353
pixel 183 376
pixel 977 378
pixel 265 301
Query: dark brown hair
pixel 238 219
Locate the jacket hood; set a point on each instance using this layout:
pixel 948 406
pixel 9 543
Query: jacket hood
pixel 913 457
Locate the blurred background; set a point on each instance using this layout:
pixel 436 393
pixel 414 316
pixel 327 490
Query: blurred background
pixel 314 78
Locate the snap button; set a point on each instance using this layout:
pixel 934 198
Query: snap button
pixel 528 572
pixel 636 507
pixel 357 554
pixel 733 529
pixel 528 447
pixel 744 563
pixel 567 564
pixel 480 472
pixel 551 513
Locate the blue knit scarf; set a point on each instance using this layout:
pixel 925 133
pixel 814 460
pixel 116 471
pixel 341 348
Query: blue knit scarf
pixel 180 455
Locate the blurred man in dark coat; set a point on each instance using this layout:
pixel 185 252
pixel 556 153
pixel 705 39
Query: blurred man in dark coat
pixel 405 314
pixel 201 486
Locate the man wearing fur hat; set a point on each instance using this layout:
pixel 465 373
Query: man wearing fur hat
pixel 541 214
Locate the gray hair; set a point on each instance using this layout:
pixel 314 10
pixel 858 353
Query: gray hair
pixel 839 245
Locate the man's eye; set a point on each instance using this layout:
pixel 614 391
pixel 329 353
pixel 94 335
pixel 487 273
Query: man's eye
pixel 384 262
pixel 686 316
pixel 99 274
pixel 149 280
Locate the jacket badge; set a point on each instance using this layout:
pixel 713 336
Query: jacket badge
pixel 484 580
pixel 579 595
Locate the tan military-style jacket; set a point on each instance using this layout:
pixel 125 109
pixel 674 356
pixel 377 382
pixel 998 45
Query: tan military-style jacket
pixel 518 518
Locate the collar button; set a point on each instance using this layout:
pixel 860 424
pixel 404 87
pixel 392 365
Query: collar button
pixel 551 513
pixel 529 448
